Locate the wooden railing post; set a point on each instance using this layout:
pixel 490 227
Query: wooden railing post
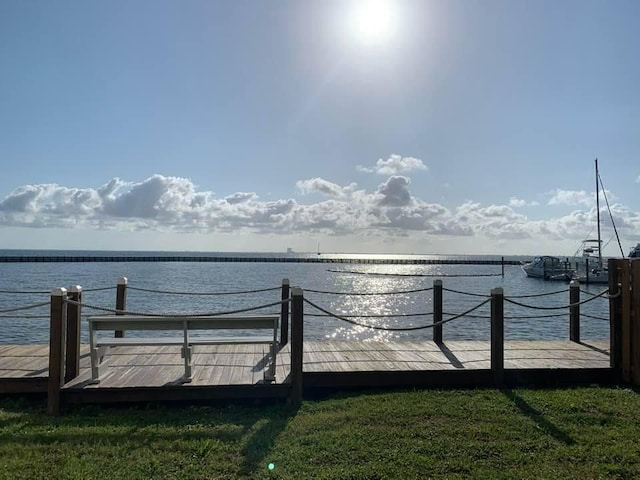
pixel 437 311
pixel 635 321
pixel 121 301
pixel 297 334
pixel 502 262
pixel 74 319
pixel 625 328
pixel 497 335
pixel 574 311
pixel 615 315
pixel 284 313
pixel 57 321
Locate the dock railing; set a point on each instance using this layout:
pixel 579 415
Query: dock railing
pixel 67 307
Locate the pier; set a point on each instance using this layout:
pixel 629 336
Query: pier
pixel 60 370
pixel 328 258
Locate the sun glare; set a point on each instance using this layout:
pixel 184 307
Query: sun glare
pixel 373 21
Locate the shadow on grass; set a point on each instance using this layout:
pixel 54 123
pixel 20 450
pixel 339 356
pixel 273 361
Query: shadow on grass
pixel 259 422
pixel 261 441
pixel 538 418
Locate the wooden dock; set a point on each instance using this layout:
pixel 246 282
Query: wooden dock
pixel 236 371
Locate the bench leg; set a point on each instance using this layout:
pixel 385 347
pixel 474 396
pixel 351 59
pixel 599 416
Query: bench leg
pixel 97 361
pixel 270 374
pixel 187 354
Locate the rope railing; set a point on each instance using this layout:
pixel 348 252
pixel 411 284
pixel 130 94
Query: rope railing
pixel 595 317
pixel 540 294
pixel 25 307
pixel 174 315
pixel 352 294
pixel 465 293
pixel 47 292
pixel 174 292
pixel 25 292
pixel 98 289
pixel 395 329
pixel 534 307
pixel 26 316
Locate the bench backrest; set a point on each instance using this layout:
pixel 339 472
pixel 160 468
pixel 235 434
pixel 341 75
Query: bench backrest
pixel 128 322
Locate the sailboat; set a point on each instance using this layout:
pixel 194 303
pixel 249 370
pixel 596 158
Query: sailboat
pixel 593 270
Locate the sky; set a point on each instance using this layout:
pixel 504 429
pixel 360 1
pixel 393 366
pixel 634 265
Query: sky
pixel 408 126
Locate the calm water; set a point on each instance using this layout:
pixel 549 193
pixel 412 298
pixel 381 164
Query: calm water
pixel 216 277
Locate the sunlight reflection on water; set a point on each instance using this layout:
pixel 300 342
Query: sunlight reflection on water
pixel 345 278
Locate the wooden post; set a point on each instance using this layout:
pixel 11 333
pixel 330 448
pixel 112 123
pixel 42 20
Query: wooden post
pixel 574 311
pixel 497 335
pixel 625 327
pixel 121 301
pixel 284 313
pixel 437 311
pixel 297 334
pixel 57 320
pixel 635 322
pixel 74 319
pixel 502 267
pixel 615 315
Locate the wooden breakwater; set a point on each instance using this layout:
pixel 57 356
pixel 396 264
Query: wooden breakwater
pixel 249 259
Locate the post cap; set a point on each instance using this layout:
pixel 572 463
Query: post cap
pixel 437 282
pixel 58 292
pixel 122 281
pixel 285 281
pixel 296 291
pixel 75 289
pixel 574 283
pixel 497 291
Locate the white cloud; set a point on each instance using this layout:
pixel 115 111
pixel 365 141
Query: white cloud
pixel 173 204
pixel 516 202
pixel 320 185
pixel 393 165
pixel 570 197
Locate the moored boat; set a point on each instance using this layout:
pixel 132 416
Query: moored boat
pixel 547 267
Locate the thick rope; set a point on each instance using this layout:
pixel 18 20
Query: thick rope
pixel 418 274
pixel 171 292
pixel 539 294
pixel 27 307
pixel 555 308
pixel 606 319
pixel 48 292
pixel 351 294
pixel 395 329
pixel 99 289
pixel 174 315
pixel 466 293
pixel 25 316
pixel 26 292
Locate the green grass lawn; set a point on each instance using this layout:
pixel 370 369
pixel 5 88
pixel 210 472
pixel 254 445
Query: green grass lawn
pixel 566 433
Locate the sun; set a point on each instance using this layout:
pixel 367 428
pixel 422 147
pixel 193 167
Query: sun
pixel 373 21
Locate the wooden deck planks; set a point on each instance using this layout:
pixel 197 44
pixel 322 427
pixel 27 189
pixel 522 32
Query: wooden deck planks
pixel 237 364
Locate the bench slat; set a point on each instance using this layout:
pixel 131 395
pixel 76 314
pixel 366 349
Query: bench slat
pixel 142 341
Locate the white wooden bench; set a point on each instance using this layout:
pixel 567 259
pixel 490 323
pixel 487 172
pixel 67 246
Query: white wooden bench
pixel 100 345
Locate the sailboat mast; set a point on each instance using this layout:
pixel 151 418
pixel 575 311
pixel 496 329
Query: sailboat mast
pixel 598 216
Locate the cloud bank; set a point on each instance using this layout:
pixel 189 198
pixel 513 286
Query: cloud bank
pixel 164 203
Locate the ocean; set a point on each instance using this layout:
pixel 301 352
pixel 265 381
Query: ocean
pixel 465 286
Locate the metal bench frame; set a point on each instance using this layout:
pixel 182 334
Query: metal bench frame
pixel 100 345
